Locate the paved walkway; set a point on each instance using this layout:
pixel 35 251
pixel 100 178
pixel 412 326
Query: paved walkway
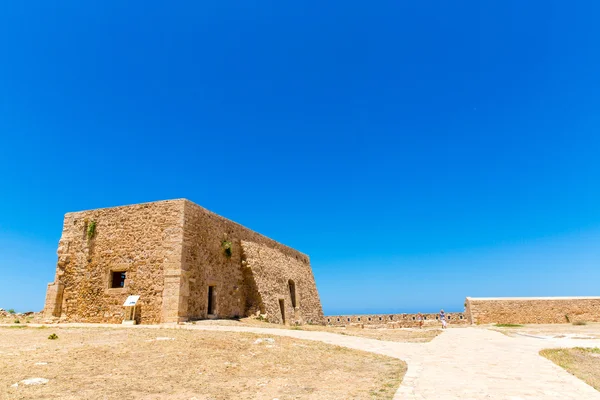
pixel 466 364
pixel 461 363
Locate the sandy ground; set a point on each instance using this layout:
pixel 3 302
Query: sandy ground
pixel 407 335
pixel 468 363
pixel 117 363
pixel 584 363
pixel 568 331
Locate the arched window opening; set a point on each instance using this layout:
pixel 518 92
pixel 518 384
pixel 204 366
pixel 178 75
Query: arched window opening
pixel 292 287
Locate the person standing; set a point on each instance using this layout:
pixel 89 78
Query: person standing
pixel 443 319
pixel 420 319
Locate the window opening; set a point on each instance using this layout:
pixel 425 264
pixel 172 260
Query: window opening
pixel 292 287
pixel 118 279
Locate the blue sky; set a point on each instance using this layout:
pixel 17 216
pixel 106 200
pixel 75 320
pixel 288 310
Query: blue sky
pixel 419 152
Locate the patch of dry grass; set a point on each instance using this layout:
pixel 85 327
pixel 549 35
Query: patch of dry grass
pixel 114 363
pixel 584 363
pixel 588 331
pixel 392 335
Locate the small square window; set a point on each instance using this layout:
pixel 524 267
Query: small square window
pixel 118 279
pixel 359 318
pixel 461 317
pixel 369 318
pixel 414 318
pixel 380 318
pixel 348 319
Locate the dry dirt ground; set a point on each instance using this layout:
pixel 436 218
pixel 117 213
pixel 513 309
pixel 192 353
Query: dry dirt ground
pixel 584 363
pixel 568 331
pixel 407 335
pixel 116 363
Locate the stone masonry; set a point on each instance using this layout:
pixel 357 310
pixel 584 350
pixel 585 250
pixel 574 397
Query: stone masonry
pixel 532 310
pixel 175 255
pixel 394 320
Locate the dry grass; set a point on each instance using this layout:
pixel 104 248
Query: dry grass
pixel 584 363
pixel 590 330
pixel 393 335
pixel 114 363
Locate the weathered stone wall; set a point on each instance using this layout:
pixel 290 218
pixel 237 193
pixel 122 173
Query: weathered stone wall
pixel 144 240
pixel 272 271
pixel 394 320
pixel 171 252
pixel 245 282
pixel 533 310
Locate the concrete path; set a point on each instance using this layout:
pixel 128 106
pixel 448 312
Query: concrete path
pixel 466 364
pixel 461 363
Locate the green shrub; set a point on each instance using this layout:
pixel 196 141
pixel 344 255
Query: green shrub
pixel 53 336
pixel 91 230
pixel 17 321
pixel 226 244
pixel 508 325
pixel 11 311
pixel 579 323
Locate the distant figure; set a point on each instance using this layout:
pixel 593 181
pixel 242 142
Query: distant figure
pixel 420 319
pixel 443 319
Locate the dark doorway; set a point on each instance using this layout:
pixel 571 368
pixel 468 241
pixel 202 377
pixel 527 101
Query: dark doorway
pixel 211 300
pixel 282 308
pixel 292 287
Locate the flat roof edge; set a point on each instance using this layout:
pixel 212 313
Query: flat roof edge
pixel 536 298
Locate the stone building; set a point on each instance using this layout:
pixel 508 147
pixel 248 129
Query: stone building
pixel 184 261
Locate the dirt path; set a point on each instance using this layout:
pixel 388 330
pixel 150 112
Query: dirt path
pixel 466 363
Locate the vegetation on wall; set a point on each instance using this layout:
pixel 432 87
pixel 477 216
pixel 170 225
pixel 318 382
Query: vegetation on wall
pixel 226 245
pixel 91 230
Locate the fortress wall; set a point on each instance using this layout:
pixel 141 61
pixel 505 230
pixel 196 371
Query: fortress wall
pixel 532 310
pixel 144 240
pixel 271 271
pixel 394 320
pixel 251 280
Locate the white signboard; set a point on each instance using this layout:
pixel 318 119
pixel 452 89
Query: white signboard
pixel 131 301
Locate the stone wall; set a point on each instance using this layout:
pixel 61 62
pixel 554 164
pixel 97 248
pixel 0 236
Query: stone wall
pixel 394 320
pixel 532 310
pixel 272 271
pixel 250 280
pixel 143 240
pixel 171 252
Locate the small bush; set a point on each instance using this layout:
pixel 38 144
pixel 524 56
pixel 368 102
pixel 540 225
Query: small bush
pixel 567 318
pixel 508 325
pixel 91 230
pixel 17 321
pixel 53 336
pixel 579 323
pixel 226 244
pixel 11 311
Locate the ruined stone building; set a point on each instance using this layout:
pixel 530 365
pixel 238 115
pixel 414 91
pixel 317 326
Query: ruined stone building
pixel 184 261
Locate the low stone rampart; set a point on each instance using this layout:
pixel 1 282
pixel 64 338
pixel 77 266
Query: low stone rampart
pixel 532 310
pixel 394 320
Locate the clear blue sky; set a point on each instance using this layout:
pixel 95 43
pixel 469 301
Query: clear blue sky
pixel 418 151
